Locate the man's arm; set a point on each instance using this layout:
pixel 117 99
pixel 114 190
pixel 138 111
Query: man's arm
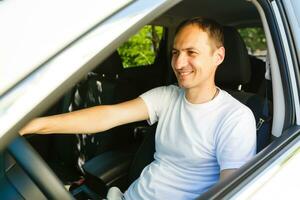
pixel 90 120
pixel 226 173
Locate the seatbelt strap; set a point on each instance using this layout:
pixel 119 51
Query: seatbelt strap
pixel 265 112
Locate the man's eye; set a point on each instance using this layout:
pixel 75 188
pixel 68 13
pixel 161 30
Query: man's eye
pixel 174 53
pixel 192 53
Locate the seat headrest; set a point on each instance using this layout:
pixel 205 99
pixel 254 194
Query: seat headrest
pixel 112 65
pixel 236 67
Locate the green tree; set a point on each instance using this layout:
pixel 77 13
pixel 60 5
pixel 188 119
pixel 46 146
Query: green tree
pixel 254 38
pixel 141 48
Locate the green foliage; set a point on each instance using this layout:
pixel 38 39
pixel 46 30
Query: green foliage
pixel 254 38
pixel 141 48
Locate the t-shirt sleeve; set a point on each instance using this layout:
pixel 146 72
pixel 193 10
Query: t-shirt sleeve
pixel 236 143
pixel 156 100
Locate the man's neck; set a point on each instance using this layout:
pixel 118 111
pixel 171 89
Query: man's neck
pixel 201 95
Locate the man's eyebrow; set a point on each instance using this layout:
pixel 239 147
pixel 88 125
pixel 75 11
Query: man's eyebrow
pixel 185 49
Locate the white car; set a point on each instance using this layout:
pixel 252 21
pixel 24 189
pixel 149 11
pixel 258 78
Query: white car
pixel 59 56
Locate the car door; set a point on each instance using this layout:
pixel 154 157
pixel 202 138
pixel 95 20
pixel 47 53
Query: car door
pixel 266 177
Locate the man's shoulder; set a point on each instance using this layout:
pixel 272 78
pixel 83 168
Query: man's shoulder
pixel 173 87
pixel 161 94
pixel 168 90
pixel 236 118
pixel 235 106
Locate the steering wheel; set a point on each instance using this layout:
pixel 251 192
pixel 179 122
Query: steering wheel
pixel 36 168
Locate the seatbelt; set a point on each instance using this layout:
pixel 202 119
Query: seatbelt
pixel 265 112
pixel 263 127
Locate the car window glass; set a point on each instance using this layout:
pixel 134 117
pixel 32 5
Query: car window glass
pixel 141 49
pixel 255 41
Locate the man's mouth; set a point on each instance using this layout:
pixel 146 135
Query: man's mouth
pixel 184 74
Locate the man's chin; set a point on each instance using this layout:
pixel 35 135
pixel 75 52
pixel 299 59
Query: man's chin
pixel 183 85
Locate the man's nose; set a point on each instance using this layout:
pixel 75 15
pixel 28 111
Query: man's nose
pixel 180 61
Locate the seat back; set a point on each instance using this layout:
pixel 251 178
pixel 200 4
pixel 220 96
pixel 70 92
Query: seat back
pixel 235 70
pixel 98 88
pixel 257 83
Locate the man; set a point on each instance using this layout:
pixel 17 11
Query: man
pixel 203 134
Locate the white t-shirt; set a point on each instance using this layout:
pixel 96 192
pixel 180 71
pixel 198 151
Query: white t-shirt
pixel 193 142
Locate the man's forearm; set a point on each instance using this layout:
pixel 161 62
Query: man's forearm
pixel 89 120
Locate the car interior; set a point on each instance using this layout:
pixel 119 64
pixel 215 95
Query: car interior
pixel 88 165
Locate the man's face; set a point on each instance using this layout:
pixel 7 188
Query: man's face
pixel 195 58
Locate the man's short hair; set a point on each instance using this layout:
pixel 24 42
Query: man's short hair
pixel 211 27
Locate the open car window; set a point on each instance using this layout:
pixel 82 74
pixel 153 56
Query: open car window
pixel 255 41
pixel 142 48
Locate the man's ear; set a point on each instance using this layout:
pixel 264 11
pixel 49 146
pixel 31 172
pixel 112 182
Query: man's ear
pixel 219 55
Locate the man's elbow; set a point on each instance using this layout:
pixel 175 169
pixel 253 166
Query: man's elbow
pixel 226 173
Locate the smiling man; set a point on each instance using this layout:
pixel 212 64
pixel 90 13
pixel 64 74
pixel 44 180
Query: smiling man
pixel 203 133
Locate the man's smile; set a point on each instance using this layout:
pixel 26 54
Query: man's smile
pixel 184 74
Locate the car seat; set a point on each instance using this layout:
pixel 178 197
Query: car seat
pixel 97 88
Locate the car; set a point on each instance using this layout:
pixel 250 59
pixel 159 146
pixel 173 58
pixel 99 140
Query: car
pixel 60 56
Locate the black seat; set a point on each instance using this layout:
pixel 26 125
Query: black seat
pixel 235 70
pixel 257 83
pixel 97 88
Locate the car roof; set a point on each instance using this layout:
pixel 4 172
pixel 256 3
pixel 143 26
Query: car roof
pixel 234 12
